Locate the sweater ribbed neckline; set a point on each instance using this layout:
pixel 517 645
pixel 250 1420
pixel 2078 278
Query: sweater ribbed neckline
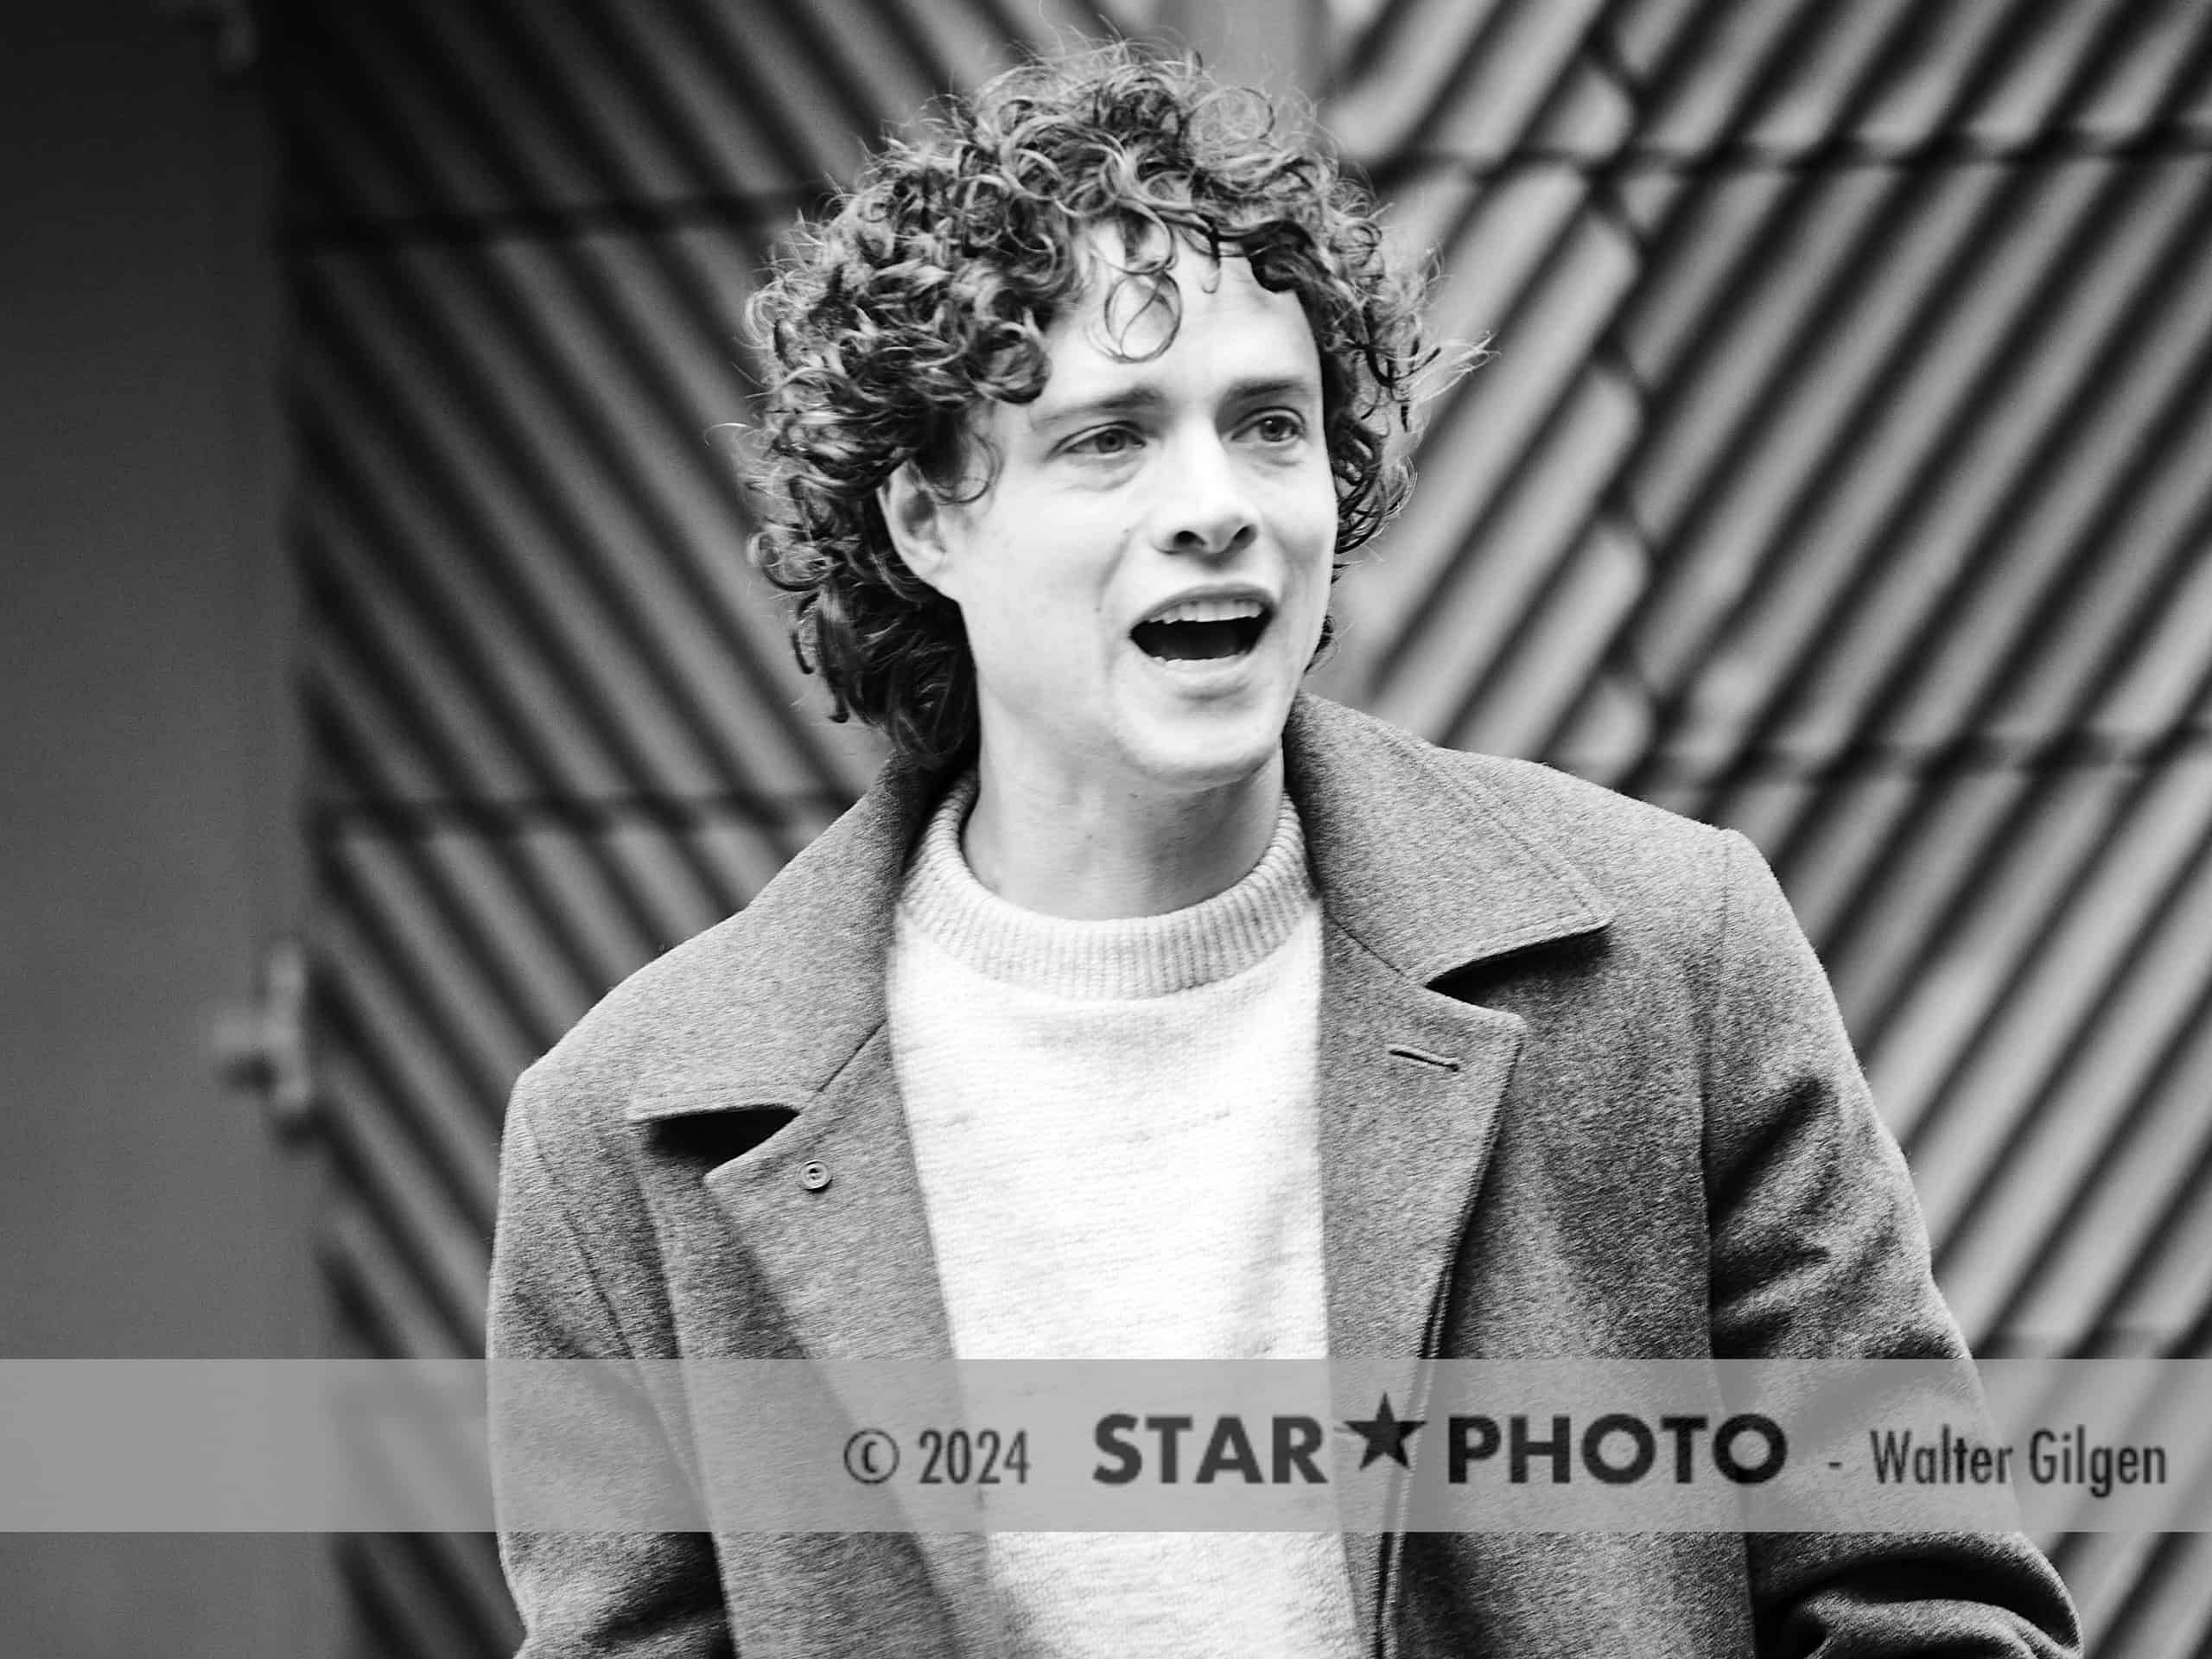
pixel 1133 957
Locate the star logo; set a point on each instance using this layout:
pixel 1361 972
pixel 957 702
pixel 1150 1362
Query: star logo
pixel 1386 1434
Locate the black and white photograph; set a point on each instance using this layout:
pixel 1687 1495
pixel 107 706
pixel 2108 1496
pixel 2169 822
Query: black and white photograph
pixel 1152 829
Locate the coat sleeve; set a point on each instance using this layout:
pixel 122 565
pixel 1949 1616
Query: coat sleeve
pixel 1819 1251
pixel 587 1595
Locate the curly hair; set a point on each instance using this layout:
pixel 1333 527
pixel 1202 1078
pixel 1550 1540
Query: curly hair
pixel 931 287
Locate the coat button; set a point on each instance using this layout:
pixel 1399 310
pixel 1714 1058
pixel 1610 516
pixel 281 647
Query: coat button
pixel 814 1177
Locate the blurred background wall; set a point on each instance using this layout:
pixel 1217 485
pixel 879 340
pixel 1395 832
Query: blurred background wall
pixel 1841 476
pixel 150 851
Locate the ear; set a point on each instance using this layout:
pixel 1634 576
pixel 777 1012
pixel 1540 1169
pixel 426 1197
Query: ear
pixel 916 521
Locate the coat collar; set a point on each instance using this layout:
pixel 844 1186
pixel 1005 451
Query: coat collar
pixel 1418 856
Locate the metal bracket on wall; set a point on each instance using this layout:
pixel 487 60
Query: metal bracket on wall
pixel 264 1047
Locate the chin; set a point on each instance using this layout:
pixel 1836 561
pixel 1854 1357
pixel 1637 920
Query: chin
pixel 1205 751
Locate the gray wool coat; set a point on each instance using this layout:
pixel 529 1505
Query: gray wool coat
pixel 1656 1144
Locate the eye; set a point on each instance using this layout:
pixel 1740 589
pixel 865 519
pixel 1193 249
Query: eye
pixel 1277 426
pixel 1107 443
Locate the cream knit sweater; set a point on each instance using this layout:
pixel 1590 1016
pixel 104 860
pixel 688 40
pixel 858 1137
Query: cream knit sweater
pixel 1113 1124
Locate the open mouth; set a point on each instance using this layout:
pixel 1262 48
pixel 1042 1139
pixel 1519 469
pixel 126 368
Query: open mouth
pixel 1179 637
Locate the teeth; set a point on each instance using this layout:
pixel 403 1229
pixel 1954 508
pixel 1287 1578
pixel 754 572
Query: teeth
pixel 1209 610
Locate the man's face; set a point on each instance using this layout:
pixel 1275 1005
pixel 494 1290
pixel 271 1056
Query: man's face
pixel 1145 582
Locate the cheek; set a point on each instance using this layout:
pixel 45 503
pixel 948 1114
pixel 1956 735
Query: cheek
pixel 1316 539
pixel 1316 547
pixel 1309 501
pixel 1038 615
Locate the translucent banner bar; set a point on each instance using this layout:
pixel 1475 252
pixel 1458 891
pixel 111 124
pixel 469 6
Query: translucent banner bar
pixel 2044 1446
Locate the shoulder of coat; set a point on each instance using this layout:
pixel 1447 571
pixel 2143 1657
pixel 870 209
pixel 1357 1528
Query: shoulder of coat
pixel 1636 854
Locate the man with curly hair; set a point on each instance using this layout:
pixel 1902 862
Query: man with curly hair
pixel 1149 1008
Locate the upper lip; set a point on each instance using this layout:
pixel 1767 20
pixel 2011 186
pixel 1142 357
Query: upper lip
pixel 1220 590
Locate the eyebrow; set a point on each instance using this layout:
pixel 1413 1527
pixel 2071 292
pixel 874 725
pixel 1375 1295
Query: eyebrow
pixel 1144 399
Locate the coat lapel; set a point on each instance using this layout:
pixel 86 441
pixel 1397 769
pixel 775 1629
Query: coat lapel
pixel 852 1266
pixel 1420 874
pixel 1422 871
pixel 1410 1088
pixel 838 1189
pixel 830 1207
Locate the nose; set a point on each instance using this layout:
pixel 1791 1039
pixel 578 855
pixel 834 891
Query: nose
pixel 1202 505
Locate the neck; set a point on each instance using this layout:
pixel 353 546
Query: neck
pixel 1098 851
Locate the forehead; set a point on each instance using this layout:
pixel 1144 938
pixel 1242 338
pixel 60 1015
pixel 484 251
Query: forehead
pixel 1200 322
